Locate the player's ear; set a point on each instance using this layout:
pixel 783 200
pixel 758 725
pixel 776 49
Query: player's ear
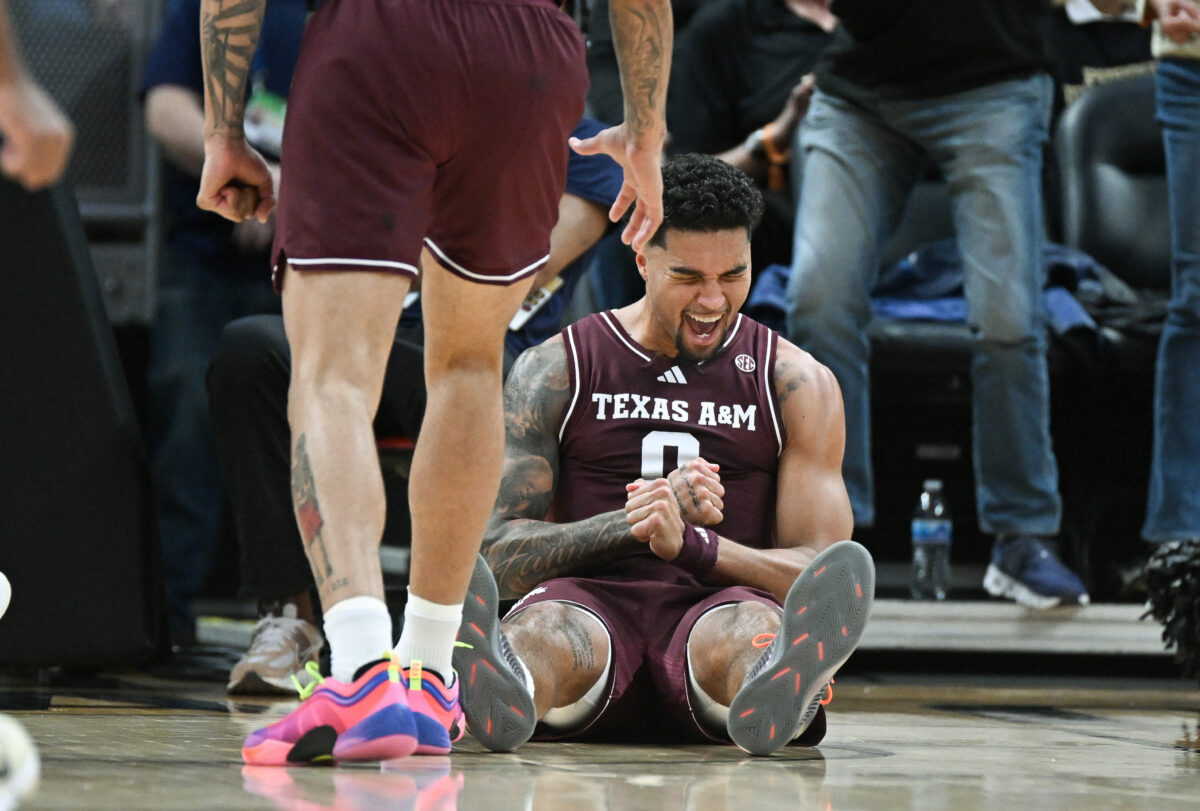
pixel 643 270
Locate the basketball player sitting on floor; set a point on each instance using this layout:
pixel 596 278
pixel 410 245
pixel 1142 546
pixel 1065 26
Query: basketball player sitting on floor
pixel 672 477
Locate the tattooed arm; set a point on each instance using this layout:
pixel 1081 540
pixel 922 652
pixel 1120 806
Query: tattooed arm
pixel 812 508
pixel 642 35
pixel 523 548
pixel 235 181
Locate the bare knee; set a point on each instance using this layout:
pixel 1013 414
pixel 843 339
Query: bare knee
pixel 444 363
pixel 739 625
pixel 565 648
pixel 725 643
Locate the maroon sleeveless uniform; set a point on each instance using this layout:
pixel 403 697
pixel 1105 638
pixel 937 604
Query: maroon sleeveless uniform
pixel 636 414
pixel 633 414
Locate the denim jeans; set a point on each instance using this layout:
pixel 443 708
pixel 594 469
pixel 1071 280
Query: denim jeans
pixel 1173 506
pixel 860 163
pixel 195 301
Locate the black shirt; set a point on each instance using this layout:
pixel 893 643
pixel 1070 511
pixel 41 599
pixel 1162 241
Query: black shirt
pixel 733 68
pixel 897 49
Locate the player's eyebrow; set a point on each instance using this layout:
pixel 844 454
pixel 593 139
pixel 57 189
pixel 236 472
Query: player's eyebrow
pixel 684 270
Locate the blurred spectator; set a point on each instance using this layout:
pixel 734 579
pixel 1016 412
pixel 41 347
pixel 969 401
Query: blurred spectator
pixel 1091 47
pixel 964 82
pixel 1173 508
pixel 740 85
pixel 35 143
pixel 212 272
pixel 604 93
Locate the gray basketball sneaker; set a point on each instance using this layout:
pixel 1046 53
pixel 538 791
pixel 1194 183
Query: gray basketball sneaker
pixel 824 617
pixel 278 653
pixel 494 688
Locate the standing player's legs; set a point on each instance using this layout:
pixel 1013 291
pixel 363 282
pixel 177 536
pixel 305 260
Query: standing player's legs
pixel 456 464
pixel 454 479
pixel 340 325
pixel 500 154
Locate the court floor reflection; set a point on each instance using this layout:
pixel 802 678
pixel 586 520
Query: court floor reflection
pixel 132 742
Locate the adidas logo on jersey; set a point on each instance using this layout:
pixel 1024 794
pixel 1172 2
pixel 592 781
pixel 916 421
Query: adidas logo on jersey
pixel 672 375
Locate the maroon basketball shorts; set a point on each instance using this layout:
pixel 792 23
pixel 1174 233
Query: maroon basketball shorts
pixel 649 622
pixel 429 122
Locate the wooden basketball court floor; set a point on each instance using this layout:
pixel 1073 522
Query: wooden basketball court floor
pixel 129 740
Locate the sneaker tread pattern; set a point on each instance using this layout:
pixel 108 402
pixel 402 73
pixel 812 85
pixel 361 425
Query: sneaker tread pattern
pixel 824 617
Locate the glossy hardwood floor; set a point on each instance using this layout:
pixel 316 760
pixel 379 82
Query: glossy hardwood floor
pixel 131 740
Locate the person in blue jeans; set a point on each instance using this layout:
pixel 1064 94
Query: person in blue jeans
pixel 963 83
pixel 211 272
pixel 1173 506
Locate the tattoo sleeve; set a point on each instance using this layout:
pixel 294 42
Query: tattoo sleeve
pixel 523 548
pixel 228 35
pixel 642 35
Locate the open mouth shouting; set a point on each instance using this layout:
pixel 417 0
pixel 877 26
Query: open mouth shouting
pixel 703 329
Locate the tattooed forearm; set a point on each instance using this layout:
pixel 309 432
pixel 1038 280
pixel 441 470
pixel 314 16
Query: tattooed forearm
pixel 228 35
pixel 308 513
pixel 642 36
pixel 523 553
pixel 521 546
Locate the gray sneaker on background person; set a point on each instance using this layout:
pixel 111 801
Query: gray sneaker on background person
pixel 282 645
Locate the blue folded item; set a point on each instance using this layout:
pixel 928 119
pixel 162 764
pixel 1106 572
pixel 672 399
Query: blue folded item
pixel 926 285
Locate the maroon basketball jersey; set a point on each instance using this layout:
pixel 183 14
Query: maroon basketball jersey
pixel 633 414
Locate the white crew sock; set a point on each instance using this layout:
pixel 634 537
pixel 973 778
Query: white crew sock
pixel 359 630
pixel 428 636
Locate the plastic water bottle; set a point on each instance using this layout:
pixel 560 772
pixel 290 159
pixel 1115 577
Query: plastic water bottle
pixel 931 533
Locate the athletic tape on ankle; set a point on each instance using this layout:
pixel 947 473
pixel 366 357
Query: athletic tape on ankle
pixel 699 553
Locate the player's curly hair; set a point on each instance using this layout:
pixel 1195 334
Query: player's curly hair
pixel 703 193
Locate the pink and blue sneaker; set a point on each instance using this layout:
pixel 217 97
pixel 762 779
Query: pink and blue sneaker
pixel 435 710
pixel 367 719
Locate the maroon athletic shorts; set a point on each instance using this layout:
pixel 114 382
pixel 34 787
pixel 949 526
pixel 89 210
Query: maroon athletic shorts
pixel 435 121
pixel 649 622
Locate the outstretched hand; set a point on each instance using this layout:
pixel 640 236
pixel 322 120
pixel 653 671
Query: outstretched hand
pixel 236 181
pixel 653 514
pixel 699 492
pixel 642 186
